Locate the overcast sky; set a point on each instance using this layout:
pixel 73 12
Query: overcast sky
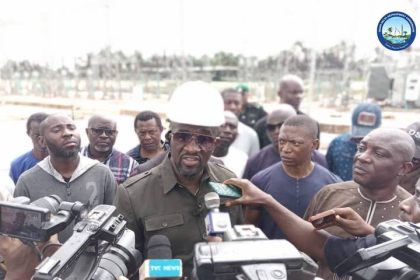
pixel 58 31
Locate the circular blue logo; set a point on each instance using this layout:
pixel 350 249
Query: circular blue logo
pixel 396 31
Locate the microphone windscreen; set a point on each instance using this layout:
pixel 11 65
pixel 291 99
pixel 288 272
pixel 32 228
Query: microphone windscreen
pixel 159 247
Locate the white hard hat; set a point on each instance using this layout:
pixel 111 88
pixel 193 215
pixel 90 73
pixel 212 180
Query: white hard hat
pixel 196 103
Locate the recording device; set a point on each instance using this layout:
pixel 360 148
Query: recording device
pixel 100 248
pixel 159 262
pixel 34 221
pixel 398 244
pixel 224 190
pixel 216 222
pixel 247 254
pixel 323 220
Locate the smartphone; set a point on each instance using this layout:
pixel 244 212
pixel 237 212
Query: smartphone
pixel 226 190
pixel 323 220
pixel 23 221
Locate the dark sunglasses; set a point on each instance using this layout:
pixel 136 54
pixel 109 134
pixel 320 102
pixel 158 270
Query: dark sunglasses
pixel 204 141
pixel 100 131
pixel 272 127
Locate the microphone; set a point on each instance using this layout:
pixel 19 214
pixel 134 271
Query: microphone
pixel 159 263
pixel 216 222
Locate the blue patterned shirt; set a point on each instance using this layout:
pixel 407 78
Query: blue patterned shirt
pixel 340 156
pixel 120 164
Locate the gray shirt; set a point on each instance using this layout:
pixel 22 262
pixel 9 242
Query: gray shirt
pixel 92 183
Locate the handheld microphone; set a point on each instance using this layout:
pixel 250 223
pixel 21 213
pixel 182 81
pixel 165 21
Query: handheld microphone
pixel 159 262
pixel 216 222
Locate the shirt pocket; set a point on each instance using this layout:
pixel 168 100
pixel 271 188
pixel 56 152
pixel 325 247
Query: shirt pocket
pixel 163 222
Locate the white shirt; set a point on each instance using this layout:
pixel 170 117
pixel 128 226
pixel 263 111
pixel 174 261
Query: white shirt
pixel 235 160
pixel 246 140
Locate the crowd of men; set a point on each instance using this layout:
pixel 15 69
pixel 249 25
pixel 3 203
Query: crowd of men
pixel 159 185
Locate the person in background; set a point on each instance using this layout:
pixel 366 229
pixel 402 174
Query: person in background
pixel 295 179
pixel 374 193
pixel 251 112
pixel 38 152
pixel 290 92
pixel 247 138
pixel 270 154
pixel 409 180
pixel 102 133
pixel 148 128
pixel 231 157
pixel 65 172
pixel 169 198
pixel 340 153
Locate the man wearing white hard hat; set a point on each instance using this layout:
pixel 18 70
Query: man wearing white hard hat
pixel 169 198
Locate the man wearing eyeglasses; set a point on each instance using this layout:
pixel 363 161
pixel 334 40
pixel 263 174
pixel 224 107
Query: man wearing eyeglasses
pixel 169 198
pixel 102 133
pixel 409 180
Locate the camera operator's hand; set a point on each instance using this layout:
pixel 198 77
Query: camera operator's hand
pixel 251 194
pixel 351 222
pixel 214 239
pixel 21 259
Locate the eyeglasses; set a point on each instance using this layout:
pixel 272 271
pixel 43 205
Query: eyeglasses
pixel 100 131
pixel 204 141
pixel 272 127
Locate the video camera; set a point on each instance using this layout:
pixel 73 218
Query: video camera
pixel 101 247
pixel 396 256
pixel 247 254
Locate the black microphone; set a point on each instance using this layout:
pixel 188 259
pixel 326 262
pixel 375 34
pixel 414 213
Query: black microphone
pixel 216 222
pixel 159 262
pixel 158 247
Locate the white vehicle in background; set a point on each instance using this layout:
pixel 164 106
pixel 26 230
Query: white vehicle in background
pixel 412 90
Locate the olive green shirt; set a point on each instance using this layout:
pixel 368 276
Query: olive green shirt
pixel 154 203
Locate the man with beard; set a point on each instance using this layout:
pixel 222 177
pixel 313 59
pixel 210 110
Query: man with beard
pixel 64 172
pixel 232 158
pixel 102 133
pixel 169 198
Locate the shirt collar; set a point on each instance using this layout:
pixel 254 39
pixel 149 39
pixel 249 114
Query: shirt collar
pixel 86 152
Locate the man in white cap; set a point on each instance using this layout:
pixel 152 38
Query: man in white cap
pixel 409 180
pixel 169 198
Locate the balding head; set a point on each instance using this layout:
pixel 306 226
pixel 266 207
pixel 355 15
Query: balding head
pixel 382 157
pixel 401 145
pixel 288 79
pixel 280 114
pixel 291 90
pixel 276 119
pixel 95 119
